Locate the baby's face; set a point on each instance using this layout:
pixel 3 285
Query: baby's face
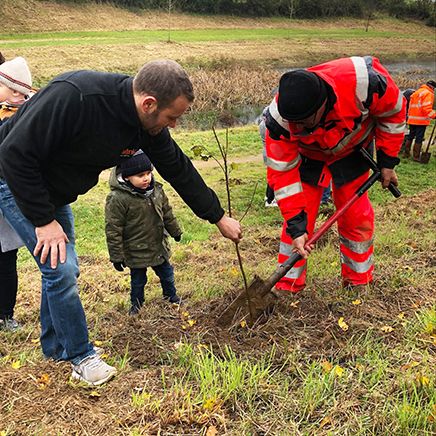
pixel 5 93
pixel 9 95
pixel 140 180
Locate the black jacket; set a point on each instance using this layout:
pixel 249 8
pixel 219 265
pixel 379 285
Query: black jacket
pixel 81 123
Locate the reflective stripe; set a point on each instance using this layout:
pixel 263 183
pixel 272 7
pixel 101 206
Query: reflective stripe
pixel 274 112
pixel 285 249
pixel 396 109
pixel 359 267
pixel 357 247
pixel 280 165
pixel 295 272
pixel 392 127
pixel 362 78
pixel 288 191
pixel 413 117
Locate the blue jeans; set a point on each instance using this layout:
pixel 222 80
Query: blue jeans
pixel 64 332
pixel 138 280
pixel 326 194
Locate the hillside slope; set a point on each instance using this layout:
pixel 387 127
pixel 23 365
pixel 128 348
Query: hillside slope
pixel 37 16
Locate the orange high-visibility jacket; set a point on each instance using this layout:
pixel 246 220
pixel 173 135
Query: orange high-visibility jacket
pixel 368 106
pixel 421 106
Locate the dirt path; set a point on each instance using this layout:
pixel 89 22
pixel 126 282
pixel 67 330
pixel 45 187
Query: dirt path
pixel 104 176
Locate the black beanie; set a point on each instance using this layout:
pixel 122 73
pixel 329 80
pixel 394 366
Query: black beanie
pixel 136 164
pixel 301 94
pixel 431 83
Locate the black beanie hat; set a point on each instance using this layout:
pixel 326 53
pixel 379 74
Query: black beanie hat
pixel 301 94
pixel 431 83
pixel 136 164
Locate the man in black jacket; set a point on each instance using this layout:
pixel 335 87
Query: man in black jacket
pixel 54 149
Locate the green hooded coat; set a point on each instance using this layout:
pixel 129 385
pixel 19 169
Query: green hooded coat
pixel 137 227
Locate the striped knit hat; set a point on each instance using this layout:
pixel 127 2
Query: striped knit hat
pixel 15 74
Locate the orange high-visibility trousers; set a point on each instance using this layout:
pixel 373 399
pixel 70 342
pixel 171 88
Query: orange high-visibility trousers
pixel 356 230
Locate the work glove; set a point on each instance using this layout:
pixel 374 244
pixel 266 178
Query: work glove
pixel 178 238
pixel 119 266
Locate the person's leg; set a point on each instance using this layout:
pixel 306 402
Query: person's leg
pixel 326 195
pixel 138 280
pixel 8 283
pixel 165 272
pixel 356 230
pixel 64 332
pixel 420 132
pixel 408 140
pixel 295 279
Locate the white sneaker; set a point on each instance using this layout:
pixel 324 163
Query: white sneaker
pixel 272 204
pixel 93 370
pixel 98 350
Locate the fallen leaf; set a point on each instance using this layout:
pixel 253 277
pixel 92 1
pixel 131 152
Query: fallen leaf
pixel 422 380
pixel 401 315
pixel 359 367
pixel 357 301
pixel 387 329
pixel 294 304
pixel 234 272
pixel 98 343
pixel 35 341
pixel 429 328
pixel 43 381
pixel 185 314
pixel 94 394
pixel 16 364
pixel 410 365
pixel 339 371
pixel 243 323
pixel 325 421
pixel 211 431
pixel 209 404
pixel 326 366
pixel 192 322
pixel 342 324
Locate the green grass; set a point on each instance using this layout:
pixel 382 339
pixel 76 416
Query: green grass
pixel 49 39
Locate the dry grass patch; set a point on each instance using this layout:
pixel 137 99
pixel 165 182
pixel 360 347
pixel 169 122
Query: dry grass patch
pixel 166 362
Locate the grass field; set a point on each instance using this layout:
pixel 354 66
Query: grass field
pixel 326 362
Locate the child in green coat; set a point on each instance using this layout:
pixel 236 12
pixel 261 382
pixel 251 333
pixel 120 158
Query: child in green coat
pixel 139 220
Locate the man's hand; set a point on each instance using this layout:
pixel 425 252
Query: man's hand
pixel 51 239
pixel 230 228
pixel 300 247
pixel 388 175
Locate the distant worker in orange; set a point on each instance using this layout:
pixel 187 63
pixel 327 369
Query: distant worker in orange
pixel 420 114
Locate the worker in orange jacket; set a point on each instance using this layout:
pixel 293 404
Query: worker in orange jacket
pixel 317 122
pixel 420 114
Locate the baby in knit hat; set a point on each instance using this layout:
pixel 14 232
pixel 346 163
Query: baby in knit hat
pixel 15 86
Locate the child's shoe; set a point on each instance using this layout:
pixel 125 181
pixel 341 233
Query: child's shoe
pixel 134 310
pixel 9 324
pixel 174 299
